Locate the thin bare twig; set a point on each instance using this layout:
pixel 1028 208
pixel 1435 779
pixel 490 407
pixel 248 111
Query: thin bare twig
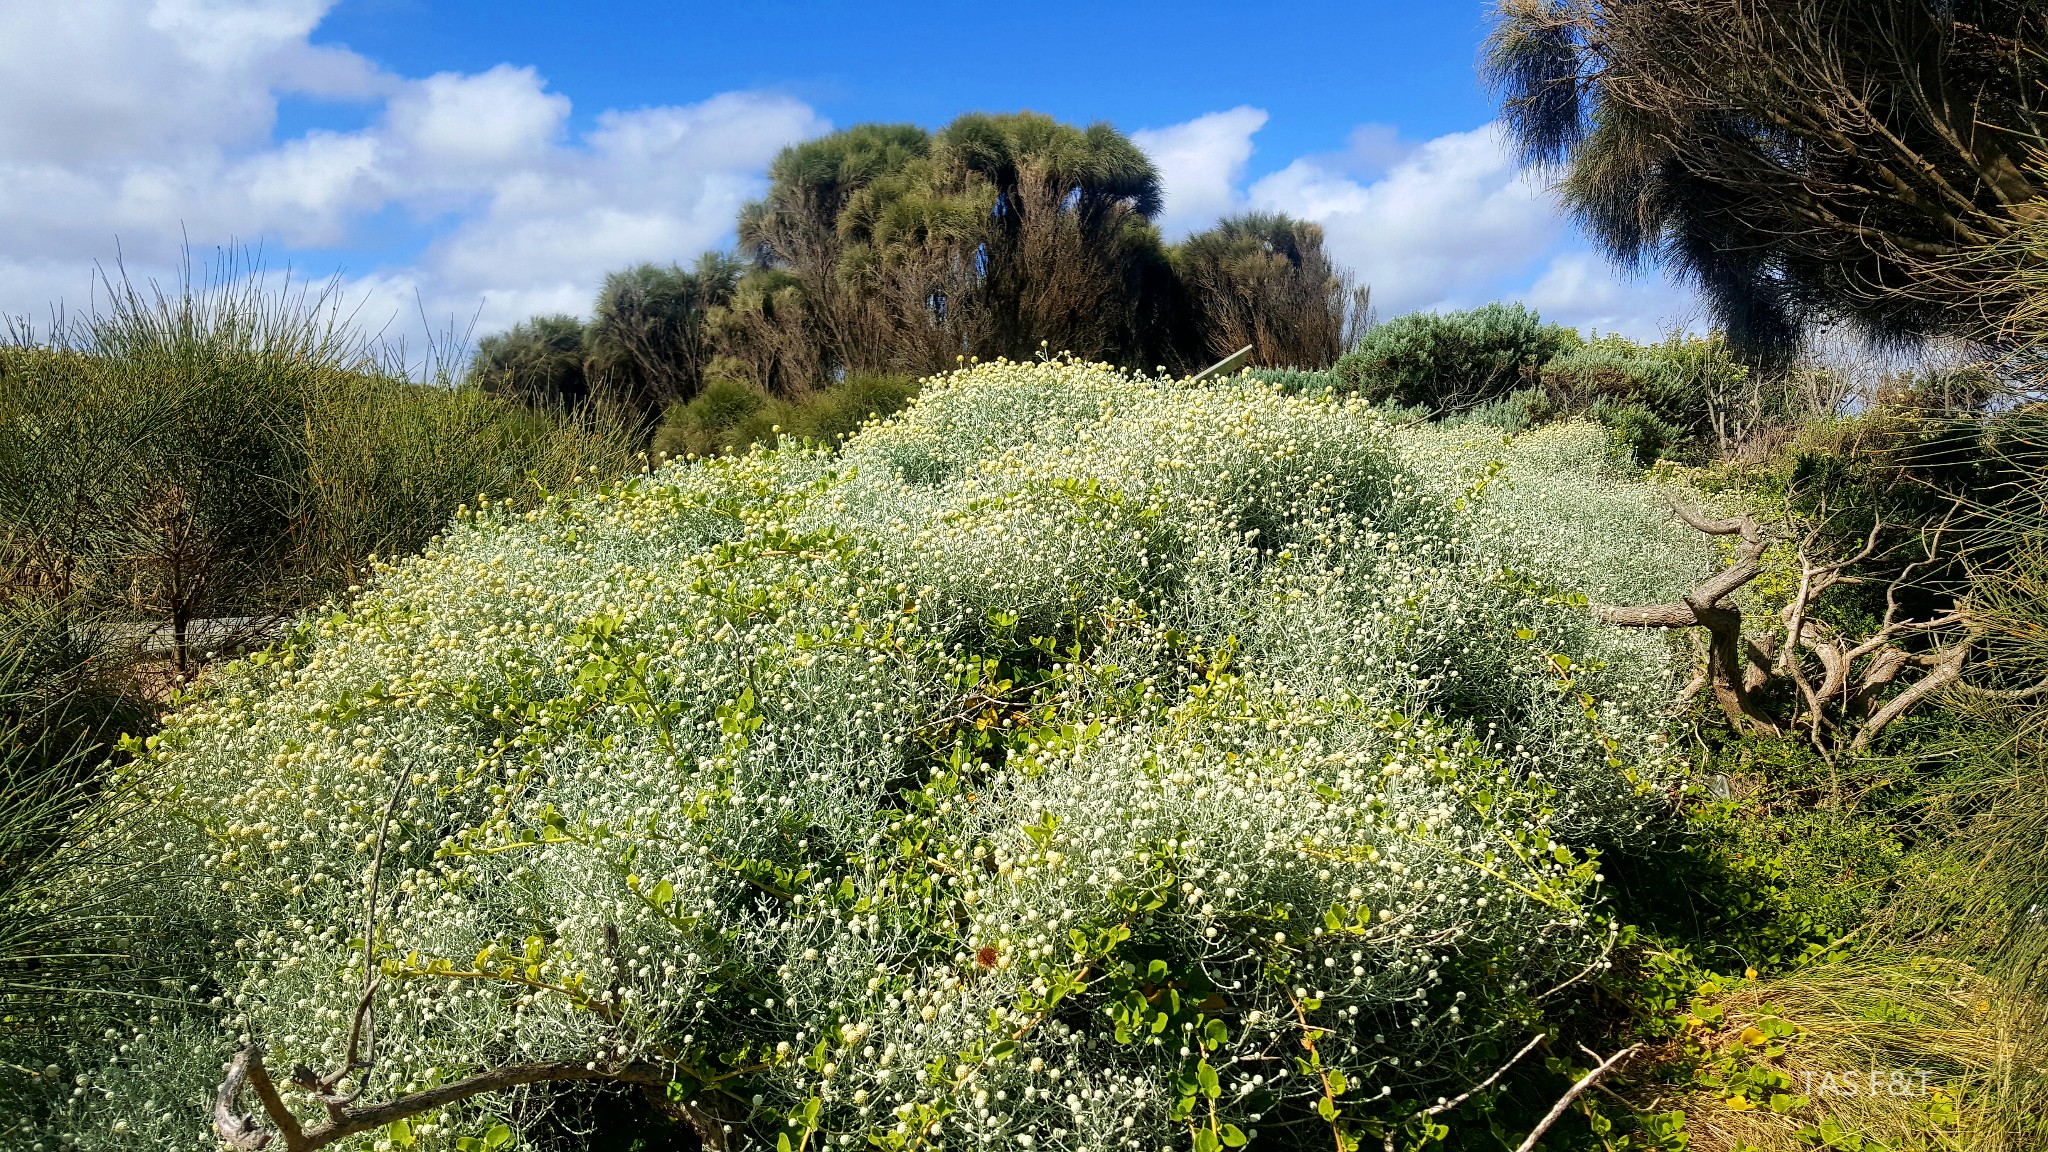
pixel 1444 1106
pixel 1557 1110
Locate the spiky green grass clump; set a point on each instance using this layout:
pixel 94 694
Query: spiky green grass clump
pixel 1056 766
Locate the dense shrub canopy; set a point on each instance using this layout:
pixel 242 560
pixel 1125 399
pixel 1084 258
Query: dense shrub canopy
pixel 1450 362
pixel 1263 281
pixel 1049 766
pixel 652 334
pixel 539 361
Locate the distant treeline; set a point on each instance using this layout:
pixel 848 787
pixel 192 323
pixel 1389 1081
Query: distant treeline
pixel 890 251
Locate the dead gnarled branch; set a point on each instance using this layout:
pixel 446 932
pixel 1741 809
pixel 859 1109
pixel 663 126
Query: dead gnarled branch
pixel 1601 1068
pixel 1706 607
pixel 1855 691
pixel 245 1134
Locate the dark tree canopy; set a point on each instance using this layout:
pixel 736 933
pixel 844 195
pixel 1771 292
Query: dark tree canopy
pixel 1263 280
pixel 539 361
pixel 887 250
pixel 650 339
pixel 983 239
pixel 1800 160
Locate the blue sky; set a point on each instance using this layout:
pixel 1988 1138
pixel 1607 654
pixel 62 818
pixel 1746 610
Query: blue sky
pixel 1318 68
pixel 484 161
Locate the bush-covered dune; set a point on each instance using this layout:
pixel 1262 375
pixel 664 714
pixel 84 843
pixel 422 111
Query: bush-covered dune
pixel 1062 764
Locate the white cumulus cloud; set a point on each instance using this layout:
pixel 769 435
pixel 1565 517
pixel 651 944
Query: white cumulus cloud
pixel 1441 227
pixel 1201 166
pixel 135 125
pixel 1451 222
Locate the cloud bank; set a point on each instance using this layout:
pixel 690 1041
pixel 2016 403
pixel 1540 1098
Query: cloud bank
pixel 1446 223
pixel 153 122
pixel 1202 165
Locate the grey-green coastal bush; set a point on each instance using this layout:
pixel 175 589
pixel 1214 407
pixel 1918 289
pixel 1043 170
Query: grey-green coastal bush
pixel 1452 362
pixel 1059 765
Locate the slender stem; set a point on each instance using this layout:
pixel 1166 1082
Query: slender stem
pixel 1587 1081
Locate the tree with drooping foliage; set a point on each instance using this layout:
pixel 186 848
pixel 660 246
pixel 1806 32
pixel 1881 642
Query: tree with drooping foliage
pixel 1262 280
pixel 651 338
pixel 1801 161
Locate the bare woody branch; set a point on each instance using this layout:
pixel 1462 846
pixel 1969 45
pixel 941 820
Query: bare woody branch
pixel 245 1134
pixel 1442 1107
pixel 1852 700
pixel 1706 607
pixel 1557 1110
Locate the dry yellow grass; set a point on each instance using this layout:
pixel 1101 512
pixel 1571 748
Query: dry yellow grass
pixel 1957 1062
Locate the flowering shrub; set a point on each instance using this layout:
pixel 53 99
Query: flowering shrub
pixel 1073 761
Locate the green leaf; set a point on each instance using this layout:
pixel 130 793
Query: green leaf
pixel 1326 1108
pixel 1233 1136
pixel 1215 1035
pixel 1205 1141
pixel 499 1136
pixel 782 1142
pixel 1337 1083
pixel 1205 1075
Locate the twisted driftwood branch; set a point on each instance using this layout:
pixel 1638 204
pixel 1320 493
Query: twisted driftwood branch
pixel 1705 607
pixel 1855 674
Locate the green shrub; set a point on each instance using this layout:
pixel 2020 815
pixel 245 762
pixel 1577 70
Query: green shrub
pixel 1298 380
pixel 840 410
pixel 1453 362
pixel 1033 767
pixel 729 416
pixel 1687 392
pixel 1638 432
pixel 230 452
pixel 1512 414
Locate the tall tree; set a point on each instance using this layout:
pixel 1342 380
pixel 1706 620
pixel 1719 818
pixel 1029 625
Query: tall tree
pixel 1263 280
pixel 1800 160
pixel 795 230
pixel 650 338
pixel 1070 254
pixel 999 232
pixel 539 361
